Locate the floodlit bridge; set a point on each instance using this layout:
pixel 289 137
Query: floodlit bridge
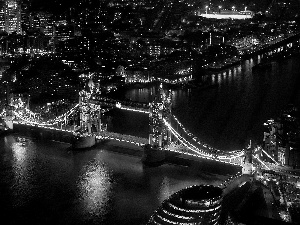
pixel 167 133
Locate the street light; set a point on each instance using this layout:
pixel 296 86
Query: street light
pixel 220 7
pixel 206 7
pixel 233 8
pixel 245 8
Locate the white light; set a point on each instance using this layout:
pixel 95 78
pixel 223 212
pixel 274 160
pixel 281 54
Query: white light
pixel 270 157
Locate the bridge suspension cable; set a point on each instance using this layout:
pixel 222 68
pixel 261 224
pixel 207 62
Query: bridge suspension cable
pixel 220 154
pixel 47 123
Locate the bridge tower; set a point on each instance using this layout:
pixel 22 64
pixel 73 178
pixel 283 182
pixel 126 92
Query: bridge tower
pixel 160 109
pixel 90 114
pixel 90 118
pixel 9 115
pixel 248 164
pixel 15 103
pixel 159 135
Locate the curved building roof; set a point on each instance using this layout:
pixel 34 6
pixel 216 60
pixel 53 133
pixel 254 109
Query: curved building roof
pixel 201 192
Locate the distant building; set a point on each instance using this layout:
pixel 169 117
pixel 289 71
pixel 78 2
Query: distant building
pixel 2 17
pixel 43 22
pixel 63 31
pixel 226 14
pixel 282 138
pixel 12 16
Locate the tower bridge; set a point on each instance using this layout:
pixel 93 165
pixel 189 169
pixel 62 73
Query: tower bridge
pixel 166 133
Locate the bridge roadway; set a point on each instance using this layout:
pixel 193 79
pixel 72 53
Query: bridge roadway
pixel 105 135
pixel 65 135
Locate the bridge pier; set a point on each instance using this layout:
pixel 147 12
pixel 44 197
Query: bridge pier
pixel 153 156
pixel 248 164
pixel 160 135
pixel 82 142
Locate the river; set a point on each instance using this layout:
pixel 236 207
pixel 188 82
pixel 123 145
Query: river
pixel 46 183
pixel 230 115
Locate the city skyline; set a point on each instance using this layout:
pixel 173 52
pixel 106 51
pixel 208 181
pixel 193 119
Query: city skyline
pixel 150 112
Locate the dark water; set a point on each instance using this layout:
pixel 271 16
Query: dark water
pixel 44 183
pixel 229 115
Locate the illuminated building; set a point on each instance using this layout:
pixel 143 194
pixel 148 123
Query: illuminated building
pixel 281 140
pixel 192 205
pixel 43 22
pixel 12 12
pixel 227 14
pixel 63 31
pixel 137 75
pixel 39 21
pixel 216 38
pixel 2 17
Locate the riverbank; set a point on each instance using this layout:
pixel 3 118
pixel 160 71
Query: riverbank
pixel 284 52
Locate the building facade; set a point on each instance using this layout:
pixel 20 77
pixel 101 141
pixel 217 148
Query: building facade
pixel 282 138
pixel 12 17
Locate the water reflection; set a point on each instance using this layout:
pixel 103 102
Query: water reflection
pixel 22 167
pixel 19 152
pixel 164 189
pixel 141 94
pixel 95 188
pixel 46 184
pixel 259 58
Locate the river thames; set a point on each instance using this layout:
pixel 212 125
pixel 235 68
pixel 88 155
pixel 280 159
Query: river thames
pixel 230 115
pixel 44 182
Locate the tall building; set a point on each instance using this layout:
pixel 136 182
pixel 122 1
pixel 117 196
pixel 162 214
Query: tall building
pixel 282 138
pixel 12 16
pixel 2 16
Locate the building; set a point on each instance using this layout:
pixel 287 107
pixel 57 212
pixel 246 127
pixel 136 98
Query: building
pixel 63 31
pixel 12 16
pixel 226 14
pixel 282 138
pixel 2 16
pixel 193 205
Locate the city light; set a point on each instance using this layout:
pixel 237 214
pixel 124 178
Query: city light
pixel 75 74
